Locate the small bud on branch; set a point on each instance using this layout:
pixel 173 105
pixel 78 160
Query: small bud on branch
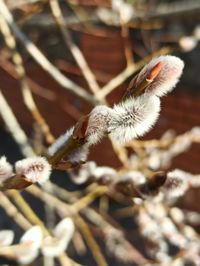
pixel 132 117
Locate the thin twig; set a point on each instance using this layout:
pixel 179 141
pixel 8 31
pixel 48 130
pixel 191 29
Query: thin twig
pixel 89 198
pixel 76 52
pixel 95 249
pixel 26 92
pixel 13 212
pixel 63 207
pixel 26 210
pixel 14 127
pixel 165 143
pixel 41 59
pixel 64 194
pixel 7 66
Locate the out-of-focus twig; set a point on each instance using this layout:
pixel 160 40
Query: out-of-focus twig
pixel 76 52
pixel 26 92
pixel 13 212
pixel 35 87
pixel 41 59
pixel 95 249
pixel 175 10
pixel 14 128
pixel 165 143
pixel 89 198
pixel 16 4
pixel 63 207
pixel 27 210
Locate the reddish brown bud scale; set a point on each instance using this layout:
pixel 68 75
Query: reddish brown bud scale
pixel 155 71
pixel 64 165
pixel 81 128
pixel 17 182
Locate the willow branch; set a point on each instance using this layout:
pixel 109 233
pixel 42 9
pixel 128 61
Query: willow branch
pixel 128 71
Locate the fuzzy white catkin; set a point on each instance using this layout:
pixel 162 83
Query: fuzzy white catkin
pixel 98 123
pixel 136 177
pixel 33 238
pixel 188 43
pixel 176 184
pixel 80 154
pixel 83 174
pixel 6 237
pixel 36 169
pixel 63 232
pixel 133 117
pixel 103 171
pixel 6 169
pixel 166 79
pixel 60 142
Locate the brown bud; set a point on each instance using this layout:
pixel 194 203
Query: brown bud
pixel 155 71
pixel 126 188
pixel 152 186
pixel 64 165
pixel 81 128
pixel 16 182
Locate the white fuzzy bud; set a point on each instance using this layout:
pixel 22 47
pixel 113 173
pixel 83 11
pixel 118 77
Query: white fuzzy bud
pixel 6 169
pixel 148 226
pixel 79 155
pixel 133 117
pixel 97 124
pixel 63 232
pixel 136 177
pixel 103 171
pixel 6 237
pixel 60 142
pixel 170 231
pixel 83 174
pixel 125 10
pixel 166 79
pixel 33 236
pixel 32 241
pixel 35 169
pixel 176 184
pixel 89 170
pixel 90 128
pixel 188 43
pixel 177 215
